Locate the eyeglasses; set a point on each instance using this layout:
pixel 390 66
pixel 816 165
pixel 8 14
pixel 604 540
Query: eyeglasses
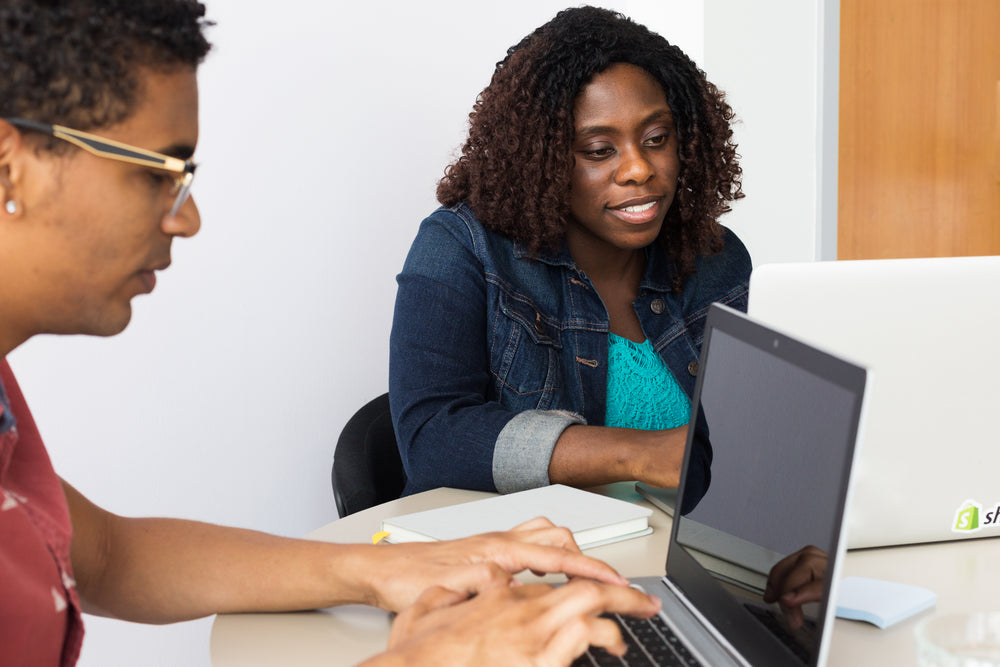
pixel 183 170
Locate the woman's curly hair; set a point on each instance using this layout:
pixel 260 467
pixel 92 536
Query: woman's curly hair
pixel 75 62
pixel 515 167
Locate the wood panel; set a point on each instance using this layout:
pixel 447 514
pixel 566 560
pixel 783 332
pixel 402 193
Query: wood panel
pixel 919 155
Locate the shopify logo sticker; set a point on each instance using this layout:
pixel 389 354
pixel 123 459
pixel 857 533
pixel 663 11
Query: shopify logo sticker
pixel 970 517
pixel 967 517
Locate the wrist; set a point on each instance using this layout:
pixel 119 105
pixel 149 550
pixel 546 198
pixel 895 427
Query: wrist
pixel 357 571
pixel 641 446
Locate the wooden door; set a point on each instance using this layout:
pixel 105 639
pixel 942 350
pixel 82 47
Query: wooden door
pixel 919 156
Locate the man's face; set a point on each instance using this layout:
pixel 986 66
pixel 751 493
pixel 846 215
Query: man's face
pixel 101 227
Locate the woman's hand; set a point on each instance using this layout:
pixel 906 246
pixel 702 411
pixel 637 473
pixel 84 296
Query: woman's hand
pixel 398 573
pixel 524 625
pixel 591 455
pixel 659 457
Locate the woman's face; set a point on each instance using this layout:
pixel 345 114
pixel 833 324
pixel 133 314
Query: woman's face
pixel 625 160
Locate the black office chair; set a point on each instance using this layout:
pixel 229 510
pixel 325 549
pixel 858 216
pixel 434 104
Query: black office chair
pixel 367 469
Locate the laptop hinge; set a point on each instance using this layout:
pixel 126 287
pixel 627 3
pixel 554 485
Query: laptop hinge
pixel 705 623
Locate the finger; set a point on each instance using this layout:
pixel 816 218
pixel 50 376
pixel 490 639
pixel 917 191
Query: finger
pixel 544 532
pixel 582 597
pixel 791 560
pixel 808 569
pixel 532 524
pixel 437 597
pixel 794 570
pixel 605 633
pixel 572 639
pixel 525 591
pixel 410 621
pixel 528 555
pixel 776 576
pixel 477 577
pixel 795 617
pixel 810 592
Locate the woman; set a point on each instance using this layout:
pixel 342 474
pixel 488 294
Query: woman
pixel 550 315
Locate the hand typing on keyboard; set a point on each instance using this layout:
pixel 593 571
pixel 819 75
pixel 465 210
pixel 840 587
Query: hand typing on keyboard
pixel 534 624
pixel 795 580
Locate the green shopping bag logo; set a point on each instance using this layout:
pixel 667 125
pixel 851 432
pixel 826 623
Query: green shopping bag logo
pixel 967 517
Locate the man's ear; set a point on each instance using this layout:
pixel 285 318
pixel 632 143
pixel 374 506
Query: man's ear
pixel 11 146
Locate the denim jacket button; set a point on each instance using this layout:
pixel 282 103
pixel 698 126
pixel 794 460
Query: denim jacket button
pixel 693 368
pixel 657 306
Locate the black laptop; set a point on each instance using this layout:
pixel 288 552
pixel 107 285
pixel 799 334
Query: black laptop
pixel 781 418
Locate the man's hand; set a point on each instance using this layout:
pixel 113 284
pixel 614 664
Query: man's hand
pixel 795 580
pixel 397 574
pixel 534 624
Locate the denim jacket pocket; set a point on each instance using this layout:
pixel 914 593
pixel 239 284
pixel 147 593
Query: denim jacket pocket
pixel 524 346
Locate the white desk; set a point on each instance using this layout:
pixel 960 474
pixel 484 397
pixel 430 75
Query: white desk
pixel 965 575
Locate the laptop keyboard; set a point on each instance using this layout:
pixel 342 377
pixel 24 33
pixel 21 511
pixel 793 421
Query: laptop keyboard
pixel 650 642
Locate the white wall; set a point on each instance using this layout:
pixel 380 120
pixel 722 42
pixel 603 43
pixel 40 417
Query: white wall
pixel 778 63
pixel 324 130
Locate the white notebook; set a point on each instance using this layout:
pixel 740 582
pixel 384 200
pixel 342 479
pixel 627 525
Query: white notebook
pixel 593 519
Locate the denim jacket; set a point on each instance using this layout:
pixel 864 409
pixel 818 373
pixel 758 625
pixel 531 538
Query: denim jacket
pixel 494 350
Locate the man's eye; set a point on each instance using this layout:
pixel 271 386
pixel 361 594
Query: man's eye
pixel 160 178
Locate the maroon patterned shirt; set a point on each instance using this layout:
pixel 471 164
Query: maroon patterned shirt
pixel 40 622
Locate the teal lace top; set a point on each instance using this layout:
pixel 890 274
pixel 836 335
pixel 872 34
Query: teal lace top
pixel 642 392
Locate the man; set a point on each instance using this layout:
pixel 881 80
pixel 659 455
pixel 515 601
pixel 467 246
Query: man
pixel 98 124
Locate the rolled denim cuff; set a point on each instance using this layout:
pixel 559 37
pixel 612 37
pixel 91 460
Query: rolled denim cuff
pixel 524 448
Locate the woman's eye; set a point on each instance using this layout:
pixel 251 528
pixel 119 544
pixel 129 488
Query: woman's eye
pixel 600 152
pixel 658 140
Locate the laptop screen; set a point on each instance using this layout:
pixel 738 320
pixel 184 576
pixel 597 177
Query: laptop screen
pixel 780 419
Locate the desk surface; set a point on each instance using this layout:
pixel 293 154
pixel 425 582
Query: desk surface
pixel 961 573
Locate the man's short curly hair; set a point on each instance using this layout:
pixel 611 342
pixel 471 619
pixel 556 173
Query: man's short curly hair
pixel 76 62
pixel 515 167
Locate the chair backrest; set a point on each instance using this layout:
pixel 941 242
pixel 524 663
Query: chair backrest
pixel 367 469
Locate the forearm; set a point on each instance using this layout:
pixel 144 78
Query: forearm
pixel 166 570
pixel 592 455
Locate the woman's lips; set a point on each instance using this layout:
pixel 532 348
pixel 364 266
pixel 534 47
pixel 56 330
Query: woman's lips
pixel 638 213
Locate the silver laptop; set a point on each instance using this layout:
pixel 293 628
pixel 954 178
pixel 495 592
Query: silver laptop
pixel 780 419
pixel 928 330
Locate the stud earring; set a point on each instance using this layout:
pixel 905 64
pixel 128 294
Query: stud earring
pixel 11 206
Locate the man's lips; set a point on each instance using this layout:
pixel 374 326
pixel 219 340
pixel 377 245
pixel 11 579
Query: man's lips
pixel 148 276
pixel 148 279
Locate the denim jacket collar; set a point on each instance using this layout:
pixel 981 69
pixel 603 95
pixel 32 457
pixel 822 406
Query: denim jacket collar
pixel 546 254
pixel 659 267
